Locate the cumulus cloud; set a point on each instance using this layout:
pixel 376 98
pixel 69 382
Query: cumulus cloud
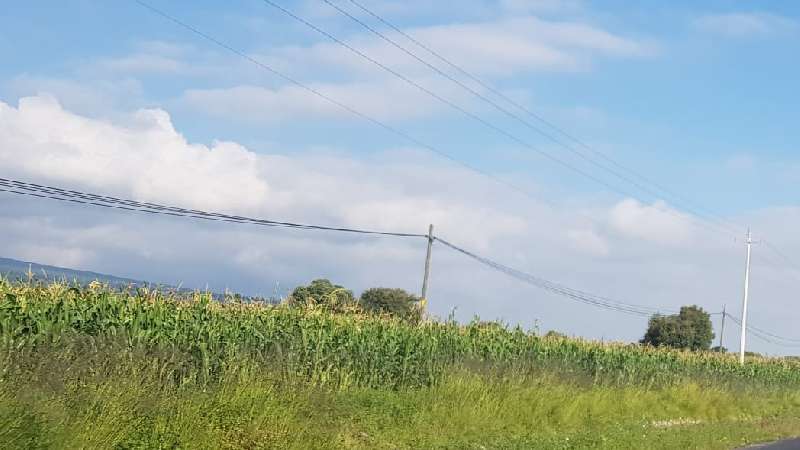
pixel 657 223
pixel 102 98
pixel 143 156
pixel 97 154
pixel 589 241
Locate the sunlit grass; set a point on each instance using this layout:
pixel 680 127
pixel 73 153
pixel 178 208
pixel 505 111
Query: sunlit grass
pixel 343 349
pixel 97 368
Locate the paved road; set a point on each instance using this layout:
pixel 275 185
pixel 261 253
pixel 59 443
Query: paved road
pixel 789 444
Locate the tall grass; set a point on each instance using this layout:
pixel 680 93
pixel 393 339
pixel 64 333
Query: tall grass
pixel 97 392
pixel 100 368
pixel 337 349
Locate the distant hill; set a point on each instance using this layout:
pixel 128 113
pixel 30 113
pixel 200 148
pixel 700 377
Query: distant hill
pixel 14 269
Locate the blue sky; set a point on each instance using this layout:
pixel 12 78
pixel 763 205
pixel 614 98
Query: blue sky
pixel 699 97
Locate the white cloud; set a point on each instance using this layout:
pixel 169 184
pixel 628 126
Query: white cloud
pixel 144 157
pixel 504 47
pixel 589 241
pixel 72 148
pixel 746 24
pixel 497 48
pixel 98 98
pixel 59 255
pixel 656 223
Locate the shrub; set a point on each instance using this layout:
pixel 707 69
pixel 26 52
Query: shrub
pixel 322 292
pixel 395 302
pixel 690 329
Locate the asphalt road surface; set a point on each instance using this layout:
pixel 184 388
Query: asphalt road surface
pixel 789 444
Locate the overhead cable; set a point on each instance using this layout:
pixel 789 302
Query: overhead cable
pixel 710 216
pixel 574 294
pixel 477 118
pixel 105 201
pixel 55 193
pixel 351 110
pixel 766 336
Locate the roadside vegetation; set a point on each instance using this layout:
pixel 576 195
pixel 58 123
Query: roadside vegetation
pixel 93 367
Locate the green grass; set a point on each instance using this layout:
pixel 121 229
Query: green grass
pixel 344 349
pixel 99 395
pixel 93 368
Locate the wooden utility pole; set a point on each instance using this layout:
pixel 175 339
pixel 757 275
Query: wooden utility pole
pixel 722 328
pixel 427 264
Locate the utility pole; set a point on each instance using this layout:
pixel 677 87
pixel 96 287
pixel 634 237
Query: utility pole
pixel 722 329
pixel 427 264
pixel 744 302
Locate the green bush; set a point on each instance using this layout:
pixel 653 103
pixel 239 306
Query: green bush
pixel 322 292
pixel 395 302
pixel 690 329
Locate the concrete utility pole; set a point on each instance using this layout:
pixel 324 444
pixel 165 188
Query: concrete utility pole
pixel 427 264
pixel 744 302
pixel 722 329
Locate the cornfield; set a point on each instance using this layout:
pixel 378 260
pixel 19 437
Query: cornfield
pixel 339 349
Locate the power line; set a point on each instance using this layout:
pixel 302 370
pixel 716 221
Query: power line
pixel 54 193
pixel 777 266
pixel 782 255
pixel 765 332
pixel 355 112
pixel 428 147
pixel 467 113
pixel 511 101
pixel 766 336
pixel 714 218
pixel 381 124
pixel 88 199
pixel 574 294
pixel 504 97
pixel 347 108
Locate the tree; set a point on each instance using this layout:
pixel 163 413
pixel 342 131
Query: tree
pixel 690 328
pixel 322 292
pixel 396 302
pixel 553 334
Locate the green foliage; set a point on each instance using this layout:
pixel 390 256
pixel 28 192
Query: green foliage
pixel 323 292
pixel 690 329
pixel 395 302
pixel 100 393
pixel 341 349
pixel 553 334
pixel 98 368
